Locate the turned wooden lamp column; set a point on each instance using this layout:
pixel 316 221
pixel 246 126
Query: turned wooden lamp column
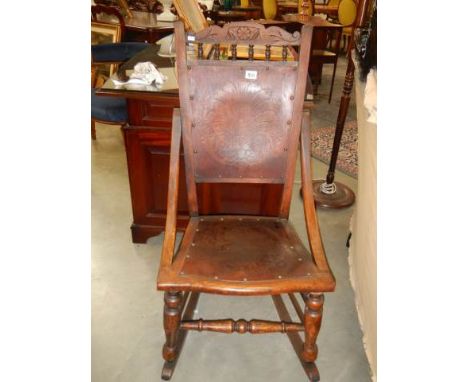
pixel 328 193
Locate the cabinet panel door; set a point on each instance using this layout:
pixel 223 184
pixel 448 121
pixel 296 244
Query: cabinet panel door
pixel 148 170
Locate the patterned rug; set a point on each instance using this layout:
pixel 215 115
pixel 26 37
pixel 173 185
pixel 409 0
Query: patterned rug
pixel 322 143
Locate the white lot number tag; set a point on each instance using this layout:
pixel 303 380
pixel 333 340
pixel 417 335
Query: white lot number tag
pixel 250 74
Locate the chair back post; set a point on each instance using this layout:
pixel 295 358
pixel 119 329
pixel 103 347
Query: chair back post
pixel 241 118
pixel 181 62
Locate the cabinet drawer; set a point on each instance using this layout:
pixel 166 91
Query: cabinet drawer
pixel 156 113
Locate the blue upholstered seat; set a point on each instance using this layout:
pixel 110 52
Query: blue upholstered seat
pixel 110 109
pixel 118 52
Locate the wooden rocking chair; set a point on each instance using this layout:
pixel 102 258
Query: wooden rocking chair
pixel 240 122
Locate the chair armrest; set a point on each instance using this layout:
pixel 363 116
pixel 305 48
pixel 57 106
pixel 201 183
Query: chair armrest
pixel 313 231
pixel 173 191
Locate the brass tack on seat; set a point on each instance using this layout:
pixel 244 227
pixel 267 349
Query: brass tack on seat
pixel 240 219
pixel 187 256
pixel 308 273
pixel 291 247
pixel 195 151
pixel 245 279
pixel 216 277
pixel 222 219
pixel 299 259
pixel 279 276
pixel 193 244
pixel 202 219
pixel 197 230
pixel 181 273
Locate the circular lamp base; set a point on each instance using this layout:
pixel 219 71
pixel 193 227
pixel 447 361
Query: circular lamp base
pixel 342 197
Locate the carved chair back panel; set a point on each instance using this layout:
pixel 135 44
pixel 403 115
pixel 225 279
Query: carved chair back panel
pixel 241 122
pixel 241 117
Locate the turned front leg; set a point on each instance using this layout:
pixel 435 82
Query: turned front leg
pixel 172 314
pixel 312 321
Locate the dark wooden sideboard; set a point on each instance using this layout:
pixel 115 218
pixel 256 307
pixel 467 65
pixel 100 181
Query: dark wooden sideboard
pixel 147 143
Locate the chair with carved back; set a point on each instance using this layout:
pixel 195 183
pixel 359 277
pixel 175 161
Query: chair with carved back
pixel 347 12
pixel 241 121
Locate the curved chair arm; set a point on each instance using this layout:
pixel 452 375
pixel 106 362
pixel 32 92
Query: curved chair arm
pixel 173 192
pixel 313 231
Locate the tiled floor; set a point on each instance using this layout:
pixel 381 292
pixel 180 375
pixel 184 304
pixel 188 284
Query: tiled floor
pixel 127 333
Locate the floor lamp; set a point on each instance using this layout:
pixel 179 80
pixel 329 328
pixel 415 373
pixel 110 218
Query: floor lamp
pixel 328 193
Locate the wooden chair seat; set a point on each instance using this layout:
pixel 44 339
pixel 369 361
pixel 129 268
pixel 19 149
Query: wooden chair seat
pixel 243 255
